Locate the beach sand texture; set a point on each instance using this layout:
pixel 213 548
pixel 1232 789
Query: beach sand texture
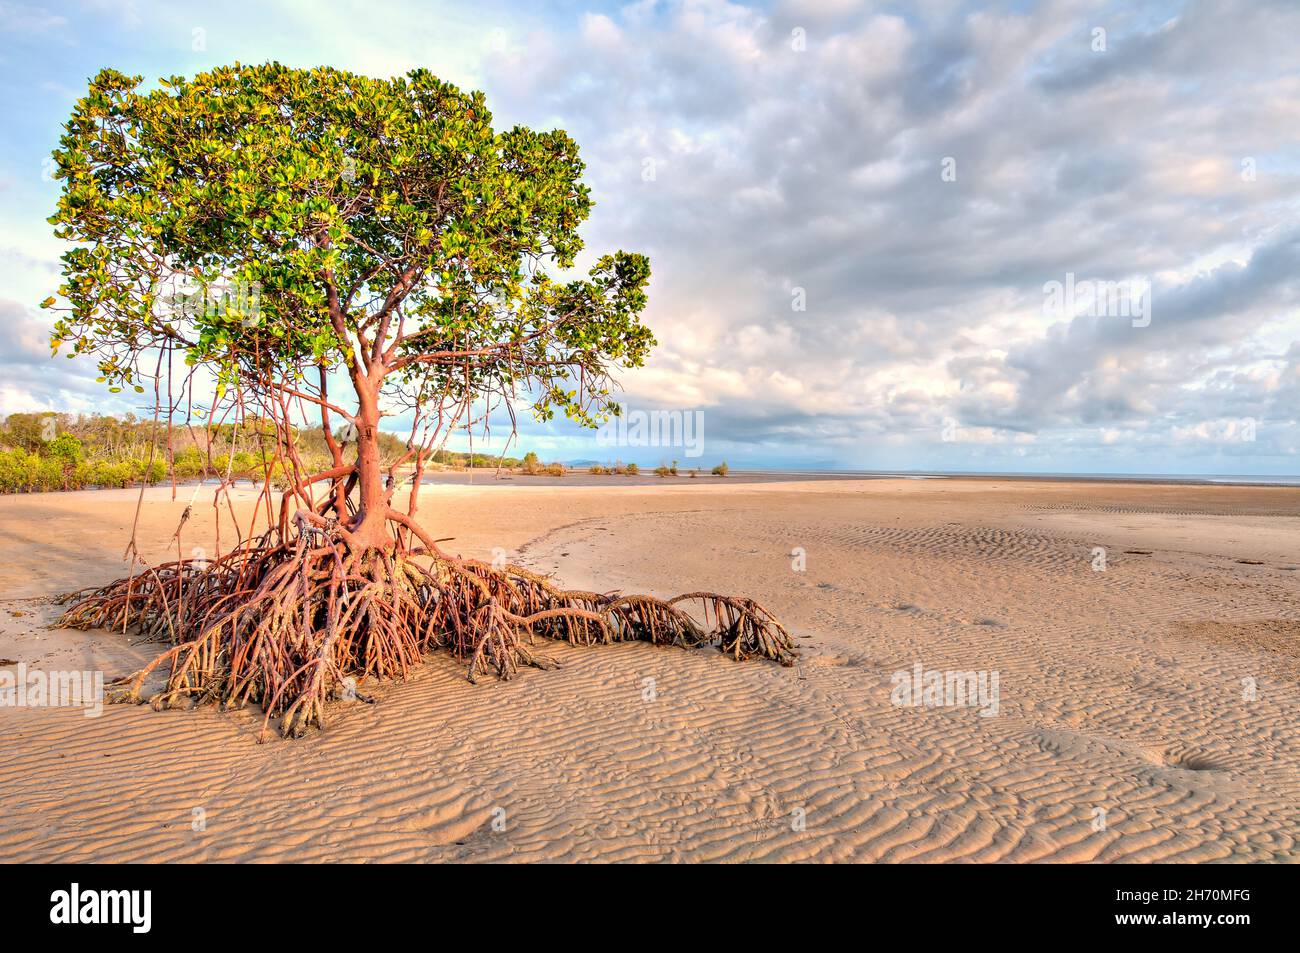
pixel 1147 712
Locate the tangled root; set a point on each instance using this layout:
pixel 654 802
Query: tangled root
pixel 292 626
pixel 652 620
pixel 497 645
pixel 744 628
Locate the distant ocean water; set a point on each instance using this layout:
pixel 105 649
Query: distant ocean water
pixel 1227 478
pixel 578 476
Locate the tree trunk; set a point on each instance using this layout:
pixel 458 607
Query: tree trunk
pixel 371 528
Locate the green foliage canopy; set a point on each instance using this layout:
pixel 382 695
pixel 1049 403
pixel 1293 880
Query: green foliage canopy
pixel 383 226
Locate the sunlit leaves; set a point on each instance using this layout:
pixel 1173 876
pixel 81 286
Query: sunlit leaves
pixel 321 185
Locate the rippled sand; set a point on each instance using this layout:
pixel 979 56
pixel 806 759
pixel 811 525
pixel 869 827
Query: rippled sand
pixel 1145 712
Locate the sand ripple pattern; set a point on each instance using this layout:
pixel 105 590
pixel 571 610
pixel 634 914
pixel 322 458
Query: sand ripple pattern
pixel 1120 736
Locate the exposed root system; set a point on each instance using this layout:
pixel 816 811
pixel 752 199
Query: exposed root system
pixel 292 625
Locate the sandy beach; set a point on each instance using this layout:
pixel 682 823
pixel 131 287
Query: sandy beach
pixel 1146 706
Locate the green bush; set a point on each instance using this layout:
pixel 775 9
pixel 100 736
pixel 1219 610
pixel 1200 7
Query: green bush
pixel 109 475
pixel 188 464
pixel 244 466
pixel 13 471
pixel 63 455
pixel 22 471
pixel 720 469
pixel 66 447
pixel 633 469
pixel 50 475
pixel 142 471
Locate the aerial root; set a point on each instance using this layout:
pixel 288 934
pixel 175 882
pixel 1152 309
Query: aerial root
pixel 294 625
pixel 743 628
pixel 497 644
pixel 647 619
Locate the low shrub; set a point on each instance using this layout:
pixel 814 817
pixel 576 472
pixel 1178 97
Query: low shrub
pixel 188 464
pixel 15 471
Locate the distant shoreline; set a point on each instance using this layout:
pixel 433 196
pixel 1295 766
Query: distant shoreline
pixel 1198 479
pixel 579 477
pixel 648 478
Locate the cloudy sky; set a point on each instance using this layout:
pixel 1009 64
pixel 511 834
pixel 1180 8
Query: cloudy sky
pixel 860 216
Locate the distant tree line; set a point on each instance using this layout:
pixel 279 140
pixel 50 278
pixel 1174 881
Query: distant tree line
pixel 58 451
